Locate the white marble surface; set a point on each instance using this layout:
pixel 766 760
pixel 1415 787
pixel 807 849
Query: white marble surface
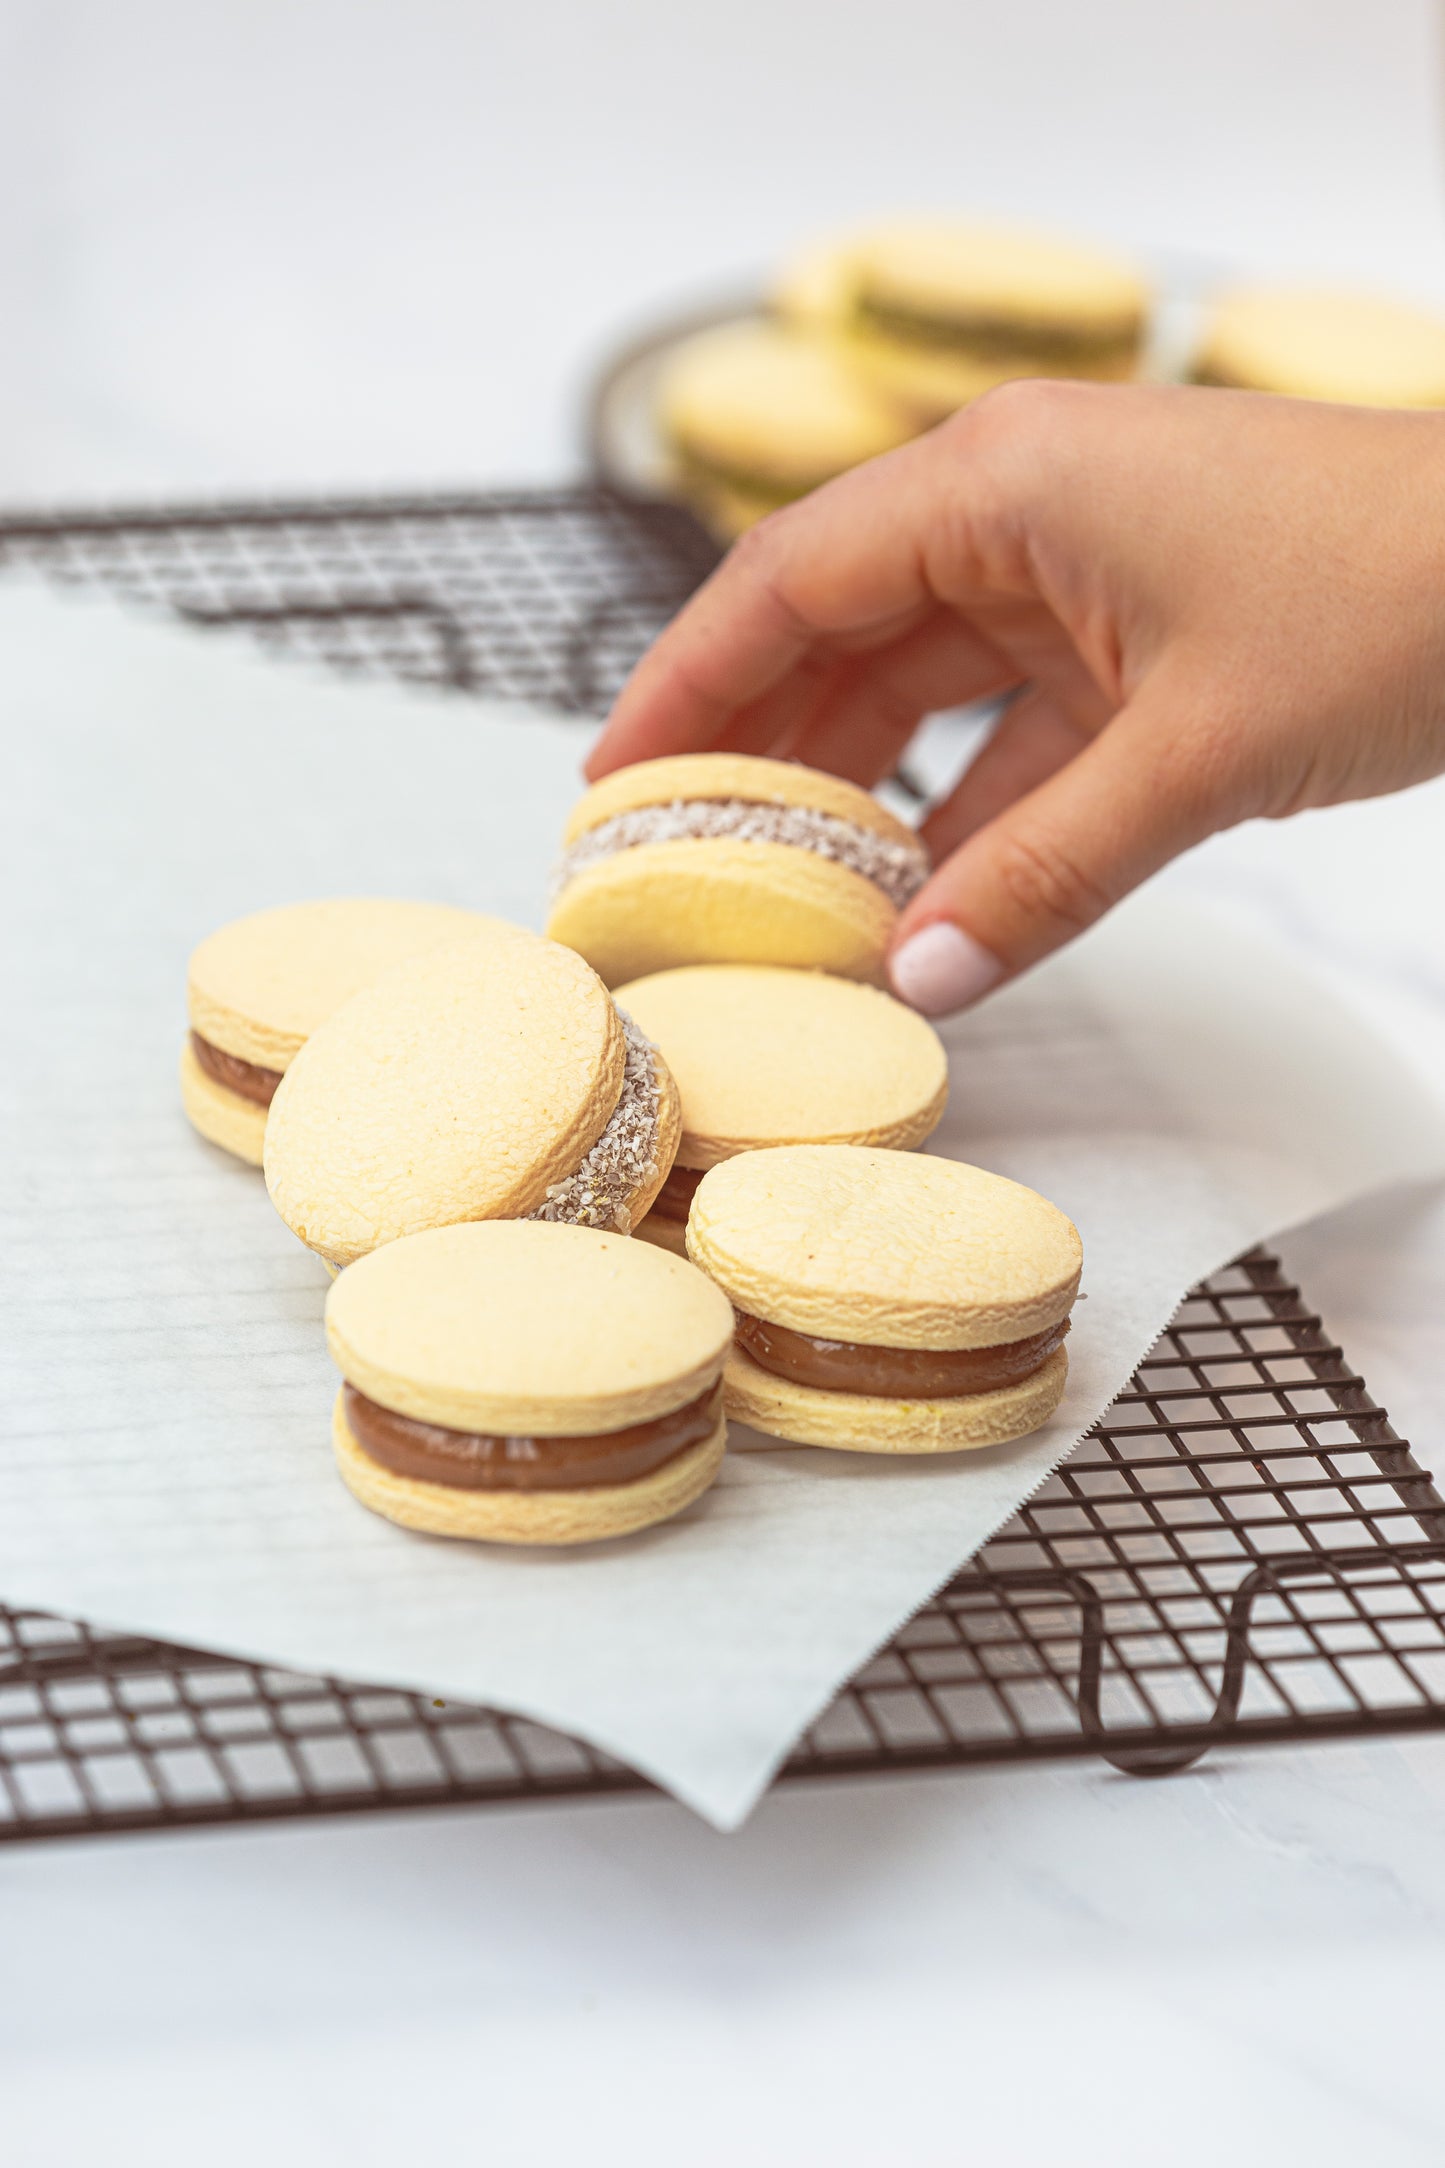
pixel 277 243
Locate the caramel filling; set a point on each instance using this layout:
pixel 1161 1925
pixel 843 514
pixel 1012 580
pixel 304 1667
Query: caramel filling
pixel 243 1078
pixel 1001 338
pixel 895 1373
pixel 485 1460
pixel 674 1200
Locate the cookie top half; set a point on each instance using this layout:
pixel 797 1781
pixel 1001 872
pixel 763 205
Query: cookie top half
pixel 771 405
pixel 765 1056
pixel 459 1086
pixel 723 778
pixel 956 271
pixel 885 1249
pixel 258 987
pixel 524 1328
pixel 1321 344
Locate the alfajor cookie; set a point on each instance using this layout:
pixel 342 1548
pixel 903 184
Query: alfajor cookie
pixel 724 858
pixel 763 1056
pixel 757 414
pixel 888 1302
pixel 490 1079
pixel 519 1382
pixel 943 310
pixel 258 987
pixel 1320 344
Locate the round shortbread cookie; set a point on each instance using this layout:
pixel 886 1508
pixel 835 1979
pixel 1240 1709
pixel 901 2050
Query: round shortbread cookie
pixel 770 408
pixel 259 987
pixel 238 1125
pixel 866 1423
pixel 950 270
pixel 764 1056
pixel 884 1249
pixel 659 905
pixel 731 775
pixel 1359 349
pixel 462 1085
pixel 592 1515
pixel 527 1328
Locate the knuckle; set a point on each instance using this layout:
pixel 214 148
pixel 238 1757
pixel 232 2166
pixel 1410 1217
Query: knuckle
pixel 1045 883
pixel 1019 415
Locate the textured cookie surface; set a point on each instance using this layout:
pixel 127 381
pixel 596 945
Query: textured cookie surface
pixel 459 1086
pixel 238 1125
pixel 887 1249
pixel 1357 348
pixel 721 901
pixel 862 1423
pixel 259 987
pixel 768 402
pixel 765 1056
pixel 731 775
pixel 527 1329
pixel 593 1515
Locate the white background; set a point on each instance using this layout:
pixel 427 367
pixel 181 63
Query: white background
pixel 257 243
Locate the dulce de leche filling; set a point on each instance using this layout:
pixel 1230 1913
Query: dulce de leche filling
pixel 242 1077
pixel 895 1373
pixel 486 1460
pixel 674 1200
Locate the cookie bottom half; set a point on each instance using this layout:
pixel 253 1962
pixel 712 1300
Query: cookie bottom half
pixel 560 1516
pixel 223 1117
pixel 865 1423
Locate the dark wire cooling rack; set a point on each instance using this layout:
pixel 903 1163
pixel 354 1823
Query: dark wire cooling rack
pixel 1241 1551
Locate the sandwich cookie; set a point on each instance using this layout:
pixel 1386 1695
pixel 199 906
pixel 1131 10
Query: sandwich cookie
pixel 706 858
pixel 943 311
pixel 764 1057
pixel 519 1382
pixel 258 988
pixel 887 1302
pixel 757 414
pixel 1355 348
pixel 491 1079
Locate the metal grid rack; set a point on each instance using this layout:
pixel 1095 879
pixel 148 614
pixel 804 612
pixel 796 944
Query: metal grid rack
pixel 1242 1550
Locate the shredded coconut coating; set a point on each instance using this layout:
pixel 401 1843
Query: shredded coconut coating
pixel 624 1159
pixel 899 869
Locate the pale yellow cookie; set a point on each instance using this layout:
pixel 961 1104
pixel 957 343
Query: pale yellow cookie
pixel 944 309
pixel 490 1079
pixel 723 858
pixel 238 1125
pixel 845 1262
pixel 1357 348
pixel 764 1056
pixel 865 1423
pixel 494 1346
pixel 257 988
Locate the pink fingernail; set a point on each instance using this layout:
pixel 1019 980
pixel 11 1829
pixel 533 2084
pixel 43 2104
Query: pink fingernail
pixel 942 968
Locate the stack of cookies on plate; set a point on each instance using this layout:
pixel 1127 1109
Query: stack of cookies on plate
pixel 573 1229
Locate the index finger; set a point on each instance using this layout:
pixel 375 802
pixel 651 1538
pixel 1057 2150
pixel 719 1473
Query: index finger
pixel 846 568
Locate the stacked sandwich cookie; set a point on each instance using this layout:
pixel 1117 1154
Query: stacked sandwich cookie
pixel 887 1302
pixel 491 1079
pixel 764 1056
pixel 724 858
pixel 527 1382
pixel 257 989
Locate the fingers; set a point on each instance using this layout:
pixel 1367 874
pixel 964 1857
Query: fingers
pixel 1031 741
pixel 1057 859
pixel 873 705
pixel 844 571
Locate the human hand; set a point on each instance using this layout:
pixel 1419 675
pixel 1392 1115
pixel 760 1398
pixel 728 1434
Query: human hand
pixel 1207 606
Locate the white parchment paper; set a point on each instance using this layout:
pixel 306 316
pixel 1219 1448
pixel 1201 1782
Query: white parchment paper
pixel 1181 1089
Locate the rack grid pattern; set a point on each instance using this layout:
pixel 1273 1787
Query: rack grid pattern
pixel 1242 1550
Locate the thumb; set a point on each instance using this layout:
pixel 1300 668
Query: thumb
pixel 1054 861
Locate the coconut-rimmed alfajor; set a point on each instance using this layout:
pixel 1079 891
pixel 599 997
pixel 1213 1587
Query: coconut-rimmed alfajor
pixel 519 1382
pixel 764 1056
pixel 888 1302
pixel 490 1079
pixel 704 858
pixel 257 988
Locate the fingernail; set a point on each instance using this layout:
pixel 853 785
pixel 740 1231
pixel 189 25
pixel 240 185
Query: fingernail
pixel 942 968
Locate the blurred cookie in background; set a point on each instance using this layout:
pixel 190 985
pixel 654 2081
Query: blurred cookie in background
pixel 1317 343
pixel 757 414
